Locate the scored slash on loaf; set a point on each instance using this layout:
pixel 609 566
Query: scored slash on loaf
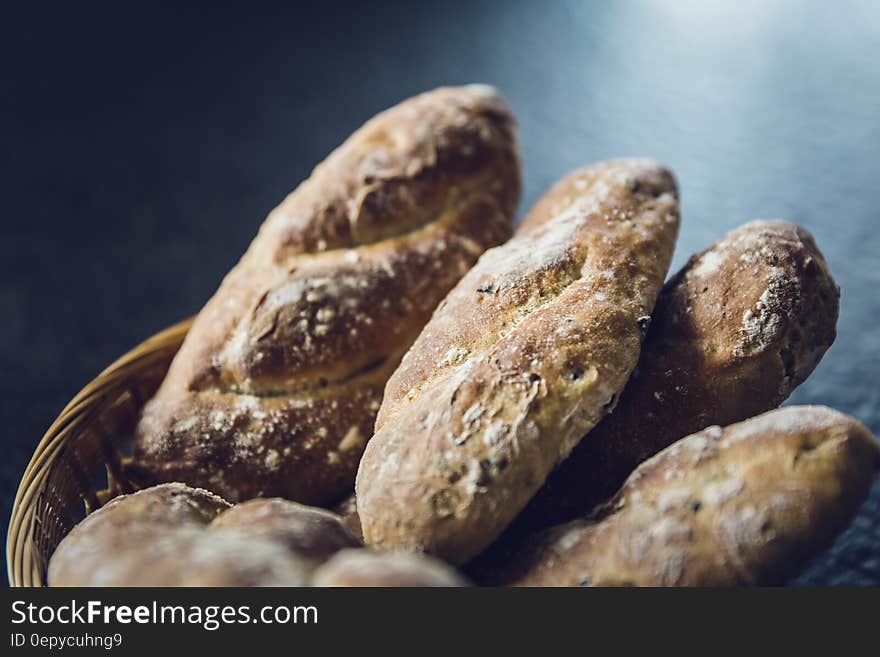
pixel 276 387
pixel 521 359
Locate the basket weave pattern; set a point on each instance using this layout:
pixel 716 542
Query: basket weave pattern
pixel 80 463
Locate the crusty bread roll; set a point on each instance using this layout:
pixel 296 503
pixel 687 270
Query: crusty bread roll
pixel 276 387
pixel 174 535
pixel 521 359
pixel 364 568
pixel 312 534
pixel 748 504
pixel 733 333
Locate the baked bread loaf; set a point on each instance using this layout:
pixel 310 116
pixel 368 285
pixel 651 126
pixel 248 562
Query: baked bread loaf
pixel 365 568
pixel 174 535
pixel 739 327
pixel 276 387
pixel 521 359
pixel 747 504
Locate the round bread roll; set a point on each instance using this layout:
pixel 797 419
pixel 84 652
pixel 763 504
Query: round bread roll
pixel 174 535
pixel 364 568
pixel 311 533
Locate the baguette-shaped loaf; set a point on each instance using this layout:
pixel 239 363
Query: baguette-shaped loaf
pixel 733 333
pixel 747 504
pixel 365 568
pixel 276 387
pixel 174 535
pixel 521 359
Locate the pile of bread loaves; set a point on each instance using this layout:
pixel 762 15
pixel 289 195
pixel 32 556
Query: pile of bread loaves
pixel 536 409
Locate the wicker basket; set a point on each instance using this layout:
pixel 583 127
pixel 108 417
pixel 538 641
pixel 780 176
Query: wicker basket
pixel 80 462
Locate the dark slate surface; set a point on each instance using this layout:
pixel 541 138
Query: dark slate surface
pixel 142 150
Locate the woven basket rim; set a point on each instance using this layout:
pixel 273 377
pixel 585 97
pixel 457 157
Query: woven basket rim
pixel 22 569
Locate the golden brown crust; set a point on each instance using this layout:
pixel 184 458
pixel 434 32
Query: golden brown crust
pixel 733 333
pixel 275 389
pixel 174 535
pixel 363 568
pixel 521 359
pixel 749 504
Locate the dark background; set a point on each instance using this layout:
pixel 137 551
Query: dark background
pixel 141 149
